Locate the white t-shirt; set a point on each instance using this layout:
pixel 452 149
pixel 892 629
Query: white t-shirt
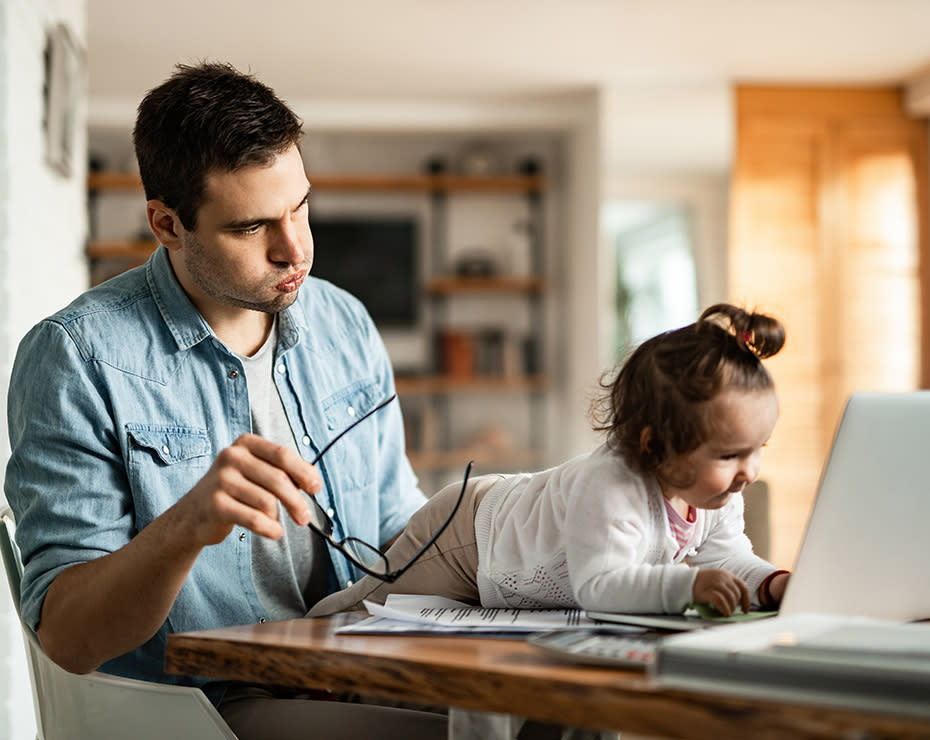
pixel 290 574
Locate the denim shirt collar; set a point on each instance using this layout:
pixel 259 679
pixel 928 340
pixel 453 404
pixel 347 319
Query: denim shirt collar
pixel 187 326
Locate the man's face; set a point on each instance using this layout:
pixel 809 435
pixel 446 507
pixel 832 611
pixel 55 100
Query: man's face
pixel 252 248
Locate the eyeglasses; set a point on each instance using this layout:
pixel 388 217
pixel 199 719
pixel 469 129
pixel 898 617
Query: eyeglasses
pixel 366 557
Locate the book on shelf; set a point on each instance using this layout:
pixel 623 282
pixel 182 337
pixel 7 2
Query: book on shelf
pixel 488 352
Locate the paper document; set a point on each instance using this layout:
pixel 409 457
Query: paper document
pixel 422 614
pixel 441 611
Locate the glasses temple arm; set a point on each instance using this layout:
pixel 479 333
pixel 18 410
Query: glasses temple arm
pixel 349 428
pixel 426 545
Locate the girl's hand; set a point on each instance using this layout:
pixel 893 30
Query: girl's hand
pixel 722 590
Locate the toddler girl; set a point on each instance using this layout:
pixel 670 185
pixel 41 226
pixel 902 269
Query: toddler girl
pixel 616 529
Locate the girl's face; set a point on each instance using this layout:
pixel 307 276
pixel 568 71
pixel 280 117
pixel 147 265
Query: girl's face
pixel 741 422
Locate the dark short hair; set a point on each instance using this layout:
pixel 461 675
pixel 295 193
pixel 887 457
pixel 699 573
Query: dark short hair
pixel 208 117
pixel 667 380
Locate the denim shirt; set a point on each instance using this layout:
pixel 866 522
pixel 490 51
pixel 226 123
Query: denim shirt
pixel 119 403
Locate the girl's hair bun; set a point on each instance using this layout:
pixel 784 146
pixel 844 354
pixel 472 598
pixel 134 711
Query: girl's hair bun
pixel 665 384
pixel 757 333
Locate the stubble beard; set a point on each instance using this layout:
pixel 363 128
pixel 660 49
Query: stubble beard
pixel 212 281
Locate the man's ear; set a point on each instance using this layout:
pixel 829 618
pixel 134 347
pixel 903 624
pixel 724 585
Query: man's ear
pixel 164 223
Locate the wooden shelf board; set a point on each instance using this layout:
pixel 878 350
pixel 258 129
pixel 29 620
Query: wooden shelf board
pixel 502 285
pixel 97 181
pixel 490 183
pixel 113 181
pixel 328 182
pixel 120 249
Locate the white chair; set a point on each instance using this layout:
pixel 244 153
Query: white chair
pixel 98 706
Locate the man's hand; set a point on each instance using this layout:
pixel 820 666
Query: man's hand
pixel 103 608
pixel 243 487
pixel 720 589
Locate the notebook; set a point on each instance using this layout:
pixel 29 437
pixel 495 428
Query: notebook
pixel 865 550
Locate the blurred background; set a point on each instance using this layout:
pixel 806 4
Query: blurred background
pixel 520 191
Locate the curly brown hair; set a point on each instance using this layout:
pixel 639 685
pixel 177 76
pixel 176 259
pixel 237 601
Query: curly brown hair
pixel 667 380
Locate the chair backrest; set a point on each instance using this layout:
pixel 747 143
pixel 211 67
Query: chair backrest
pixel 98 705
pixel 11 560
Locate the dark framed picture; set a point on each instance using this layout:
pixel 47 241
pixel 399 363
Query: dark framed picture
pixel 63 83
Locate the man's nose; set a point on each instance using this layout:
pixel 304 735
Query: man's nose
pixel 291 245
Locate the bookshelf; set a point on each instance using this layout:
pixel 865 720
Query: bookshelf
pixel 427 396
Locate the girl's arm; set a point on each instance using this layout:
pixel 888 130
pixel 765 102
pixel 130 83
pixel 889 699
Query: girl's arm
pixel 726 546
pixel 617 553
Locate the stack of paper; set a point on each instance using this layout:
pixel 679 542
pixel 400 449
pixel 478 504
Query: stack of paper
pixel 413 614
pixel 816 659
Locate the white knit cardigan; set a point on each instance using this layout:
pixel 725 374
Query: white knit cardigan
pixel 592 533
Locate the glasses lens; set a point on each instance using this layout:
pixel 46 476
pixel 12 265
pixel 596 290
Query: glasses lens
pixel 320 519
pixel 366 556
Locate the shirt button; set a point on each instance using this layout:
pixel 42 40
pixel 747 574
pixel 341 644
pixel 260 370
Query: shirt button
pixel 164 448
pixel 261 621
pixel 350 411
pixel 281 369
pixel 349 583
pixel 330 512
pixel 305 441
pixel 233 374
pixel 242 537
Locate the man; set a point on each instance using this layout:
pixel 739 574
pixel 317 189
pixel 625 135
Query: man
pixel 162 424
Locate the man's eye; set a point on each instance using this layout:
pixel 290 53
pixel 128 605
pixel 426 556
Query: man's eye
pixel 249 230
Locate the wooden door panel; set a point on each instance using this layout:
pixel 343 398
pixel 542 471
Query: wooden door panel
pixel 828 231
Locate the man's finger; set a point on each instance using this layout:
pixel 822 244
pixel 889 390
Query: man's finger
pixel 303 474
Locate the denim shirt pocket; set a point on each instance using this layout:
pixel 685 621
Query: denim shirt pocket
pixel 352 460
pixel 164 462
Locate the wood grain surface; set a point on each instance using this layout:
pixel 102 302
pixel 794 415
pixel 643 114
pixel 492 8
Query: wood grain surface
pixel 510 676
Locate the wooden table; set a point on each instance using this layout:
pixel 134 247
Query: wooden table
pixel 506 676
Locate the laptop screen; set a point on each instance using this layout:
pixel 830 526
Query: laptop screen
pixel 866 550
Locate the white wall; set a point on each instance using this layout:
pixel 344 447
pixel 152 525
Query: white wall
pixel 661 144
pixel 42 231
pixel 579 261
pixel 675 144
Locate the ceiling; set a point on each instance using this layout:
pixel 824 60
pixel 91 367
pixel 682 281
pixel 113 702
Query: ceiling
pixel 454 50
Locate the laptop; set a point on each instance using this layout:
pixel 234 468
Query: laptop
pixel 866 549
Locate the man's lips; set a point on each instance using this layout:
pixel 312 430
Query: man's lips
pixel 292 283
